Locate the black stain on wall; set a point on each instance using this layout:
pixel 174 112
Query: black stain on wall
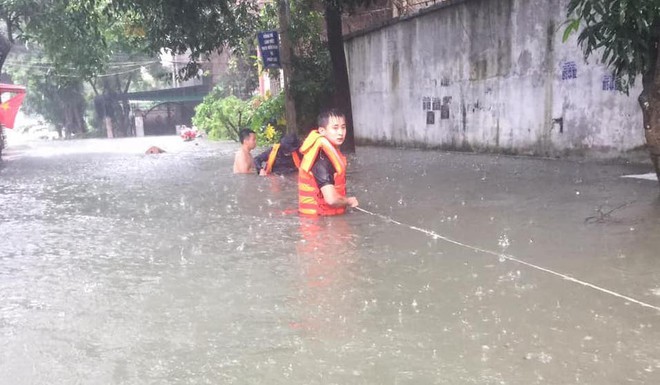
pixel 444 109
pixel 395 74
pixel 430 117
pixel 444 112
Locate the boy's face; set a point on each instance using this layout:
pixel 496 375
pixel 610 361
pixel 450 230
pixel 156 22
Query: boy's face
pixel 335 131
pixel 251 141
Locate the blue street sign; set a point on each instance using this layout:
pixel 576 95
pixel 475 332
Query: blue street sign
pixel 269 44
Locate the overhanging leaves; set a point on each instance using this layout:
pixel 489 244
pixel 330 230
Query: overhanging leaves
pixel 624 33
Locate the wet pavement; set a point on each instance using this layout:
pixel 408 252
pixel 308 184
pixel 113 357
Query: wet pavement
pixel 118 267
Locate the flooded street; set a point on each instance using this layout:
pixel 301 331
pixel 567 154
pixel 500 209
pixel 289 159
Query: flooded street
pixel 118 267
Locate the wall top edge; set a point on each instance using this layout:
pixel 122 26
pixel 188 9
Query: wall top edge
pixel 421 12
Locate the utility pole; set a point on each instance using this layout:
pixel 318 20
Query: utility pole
pixel 289 105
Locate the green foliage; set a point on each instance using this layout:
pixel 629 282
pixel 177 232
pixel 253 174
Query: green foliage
pixel 60 100
pixel 623 32
pixel 78 38
pixel 68 44
pixel 222 117
pixel 268 111
pixel 194 27
pixel 241 77
pixel 311 83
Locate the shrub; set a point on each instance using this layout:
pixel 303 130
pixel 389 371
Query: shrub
pixel 268 119
pixel 222 118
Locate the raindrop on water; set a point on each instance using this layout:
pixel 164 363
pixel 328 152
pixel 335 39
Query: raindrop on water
pixel 503 241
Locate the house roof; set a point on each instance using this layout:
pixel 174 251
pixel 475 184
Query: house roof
pixel 181 94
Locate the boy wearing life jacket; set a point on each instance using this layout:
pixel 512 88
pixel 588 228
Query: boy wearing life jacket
pixel 243 162
pixel 282 158
pixel 322 172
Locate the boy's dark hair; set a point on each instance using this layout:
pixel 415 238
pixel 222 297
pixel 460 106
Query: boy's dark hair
pixel 325 115
pixel 289 143
pixel 244 134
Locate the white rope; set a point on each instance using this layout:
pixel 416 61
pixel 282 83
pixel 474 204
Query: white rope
pixel 435 235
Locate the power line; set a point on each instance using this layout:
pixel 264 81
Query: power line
pixel 127 63
pixel 49 68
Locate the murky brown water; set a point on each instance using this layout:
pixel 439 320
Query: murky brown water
pixel 122 268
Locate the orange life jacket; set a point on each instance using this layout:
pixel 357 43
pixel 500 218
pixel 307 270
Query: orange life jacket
pixel 273 154
pixel 310 199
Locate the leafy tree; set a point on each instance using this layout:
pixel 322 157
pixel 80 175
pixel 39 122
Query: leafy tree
pixel 60 100
pixel 70 43
pixel 222 118
pixel 268 118
pixel 79 38
pixel 83 41
pixel 626 34
pixel 311 81
pixel 331 88
pixel 241 78
pixel 13 14
pixel 342 93
pixel 193 27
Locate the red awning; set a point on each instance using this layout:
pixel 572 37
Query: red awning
pixel 12 88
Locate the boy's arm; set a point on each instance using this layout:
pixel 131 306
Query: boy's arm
pixel 323 172
pixel 333 198
pixel 261 159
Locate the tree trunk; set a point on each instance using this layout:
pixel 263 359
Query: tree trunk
pixel 5 47
pixel 68 120
pixel 649 101
pixel 652 127
pixel 74 122
pixel 342 95
pixel 80 119
pixel 108 126
pixel 289 104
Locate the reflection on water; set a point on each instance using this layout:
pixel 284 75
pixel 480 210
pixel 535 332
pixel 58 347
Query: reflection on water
pixel 123 268
pixel 325 252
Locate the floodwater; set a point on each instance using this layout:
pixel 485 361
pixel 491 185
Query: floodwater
pixel 118 267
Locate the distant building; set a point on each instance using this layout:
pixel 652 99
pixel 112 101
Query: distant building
pixel 162 112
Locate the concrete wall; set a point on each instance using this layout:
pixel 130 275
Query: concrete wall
pixel 487 75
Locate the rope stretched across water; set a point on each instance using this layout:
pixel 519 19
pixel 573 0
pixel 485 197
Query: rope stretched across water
pixel 435 235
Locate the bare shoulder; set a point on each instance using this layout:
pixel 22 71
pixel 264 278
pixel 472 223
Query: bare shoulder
pixel 242 162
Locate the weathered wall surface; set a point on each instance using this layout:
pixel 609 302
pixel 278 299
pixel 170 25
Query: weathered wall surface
pixel 488 75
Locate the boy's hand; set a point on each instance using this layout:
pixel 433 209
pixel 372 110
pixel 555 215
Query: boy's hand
pixel 352 201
